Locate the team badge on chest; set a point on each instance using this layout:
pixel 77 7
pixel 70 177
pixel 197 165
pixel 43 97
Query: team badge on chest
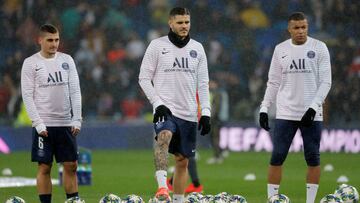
pixel 311 54
pixel 193 53
pixel 65 66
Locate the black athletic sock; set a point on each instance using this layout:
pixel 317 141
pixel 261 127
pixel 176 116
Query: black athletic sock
pixel 45 198
pixel 196 183
pixel 171 180
pixel 68 196
pixel 193 172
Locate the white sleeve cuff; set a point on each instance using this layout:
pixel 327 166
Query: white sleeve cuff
pixel 37 122
pixel 157 103
pixel 76 124
pixel 263 109
pixel 315 106
pixel 206 112
pixel 40 128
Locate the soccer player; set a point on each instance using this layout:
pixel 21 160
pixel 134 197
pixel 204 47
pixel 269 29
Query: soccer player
pixel 216 100
pixel 299 81
pixel 195 185
pixel 174 67
pixel 51 93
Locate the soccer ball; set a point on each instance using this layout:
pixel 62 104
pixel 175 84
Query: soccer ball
pixel 331 198
pixel 279 198
pixel 75 200
pixel 347 193
pixel 207 199
pixel 156 200
pixel 339 187
pixel 110 198
pixel 15 199
pixel 237 199
pixel 222 197
pixel 193 197
pixel 133 199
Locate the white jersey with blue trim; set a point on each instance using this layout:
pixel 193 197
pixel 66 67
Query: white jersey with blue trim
pixel 51 90
pixel 171 76
pixel 299 78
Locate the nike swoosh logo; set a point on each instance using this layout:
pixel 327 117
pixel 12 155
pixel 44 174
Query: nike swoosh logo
pixel 37 69
pixel 284 56
pixel 164 52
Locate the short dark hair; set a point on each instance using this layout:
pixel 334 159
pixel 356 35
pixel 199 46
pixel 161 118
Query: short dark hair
pixel 48 28
pixel 179 11
pixel 297 16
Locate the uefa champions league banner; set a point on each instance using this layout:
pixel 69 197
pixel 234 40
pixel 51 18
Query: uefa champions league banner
pixel 255 139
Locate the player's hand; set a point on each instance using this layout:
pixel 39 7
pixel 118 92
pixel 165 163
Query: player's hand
pixel 264 121
pixel 41 130
pixel 161 113
pixel 75 130
pixel 204 125
pixel 308 117
pixel 44 133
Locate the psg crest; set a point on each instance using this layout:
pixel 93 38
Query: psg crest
pixel 65 66
pixel 193 53
pixel 311 54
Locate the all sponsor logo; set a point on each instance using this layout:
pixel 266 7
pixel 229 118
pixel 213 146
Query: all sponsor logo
pixel 55 77
pixel 181 63
pixel 300 64
pixel 297 66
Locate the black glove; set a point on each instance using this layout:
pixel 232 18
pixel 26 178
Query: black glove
pixel 264 121
pixel 204 125
pixel 308 117
pixel 161 113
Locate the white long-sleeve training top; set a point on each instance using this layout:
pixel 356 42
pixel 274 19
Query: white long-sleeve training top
pixel 51 90
pixel 299 78
pixel 171 76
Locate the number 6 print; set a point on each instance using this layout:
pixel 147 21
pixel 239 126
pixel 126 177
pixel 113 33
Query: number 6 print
pixel 41 144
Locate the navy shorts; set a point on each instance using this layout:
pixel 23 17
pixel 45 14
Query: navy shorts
pixel 59 143
pixel 183 140
pixel 283 135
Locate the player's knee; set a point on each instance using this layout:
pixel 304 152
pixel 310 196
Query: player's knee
pixel 181 161
pixel 70 167
pixel 312 159
pixel 278 158
pixel 164 137
pixel 44 169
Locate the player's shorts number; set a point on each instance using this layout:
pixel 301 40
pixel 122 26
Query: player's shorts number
pixel 41 144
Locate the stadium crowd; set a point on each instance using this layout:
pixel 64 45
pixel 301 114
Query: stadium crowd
pixel 108 40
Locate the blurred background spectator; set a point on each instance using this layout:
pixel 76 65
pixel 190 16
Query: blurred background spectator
pixel 108 40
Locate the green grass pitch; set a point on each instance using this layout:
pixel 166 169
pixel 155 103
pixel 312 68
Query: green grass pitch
pixel 132 172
